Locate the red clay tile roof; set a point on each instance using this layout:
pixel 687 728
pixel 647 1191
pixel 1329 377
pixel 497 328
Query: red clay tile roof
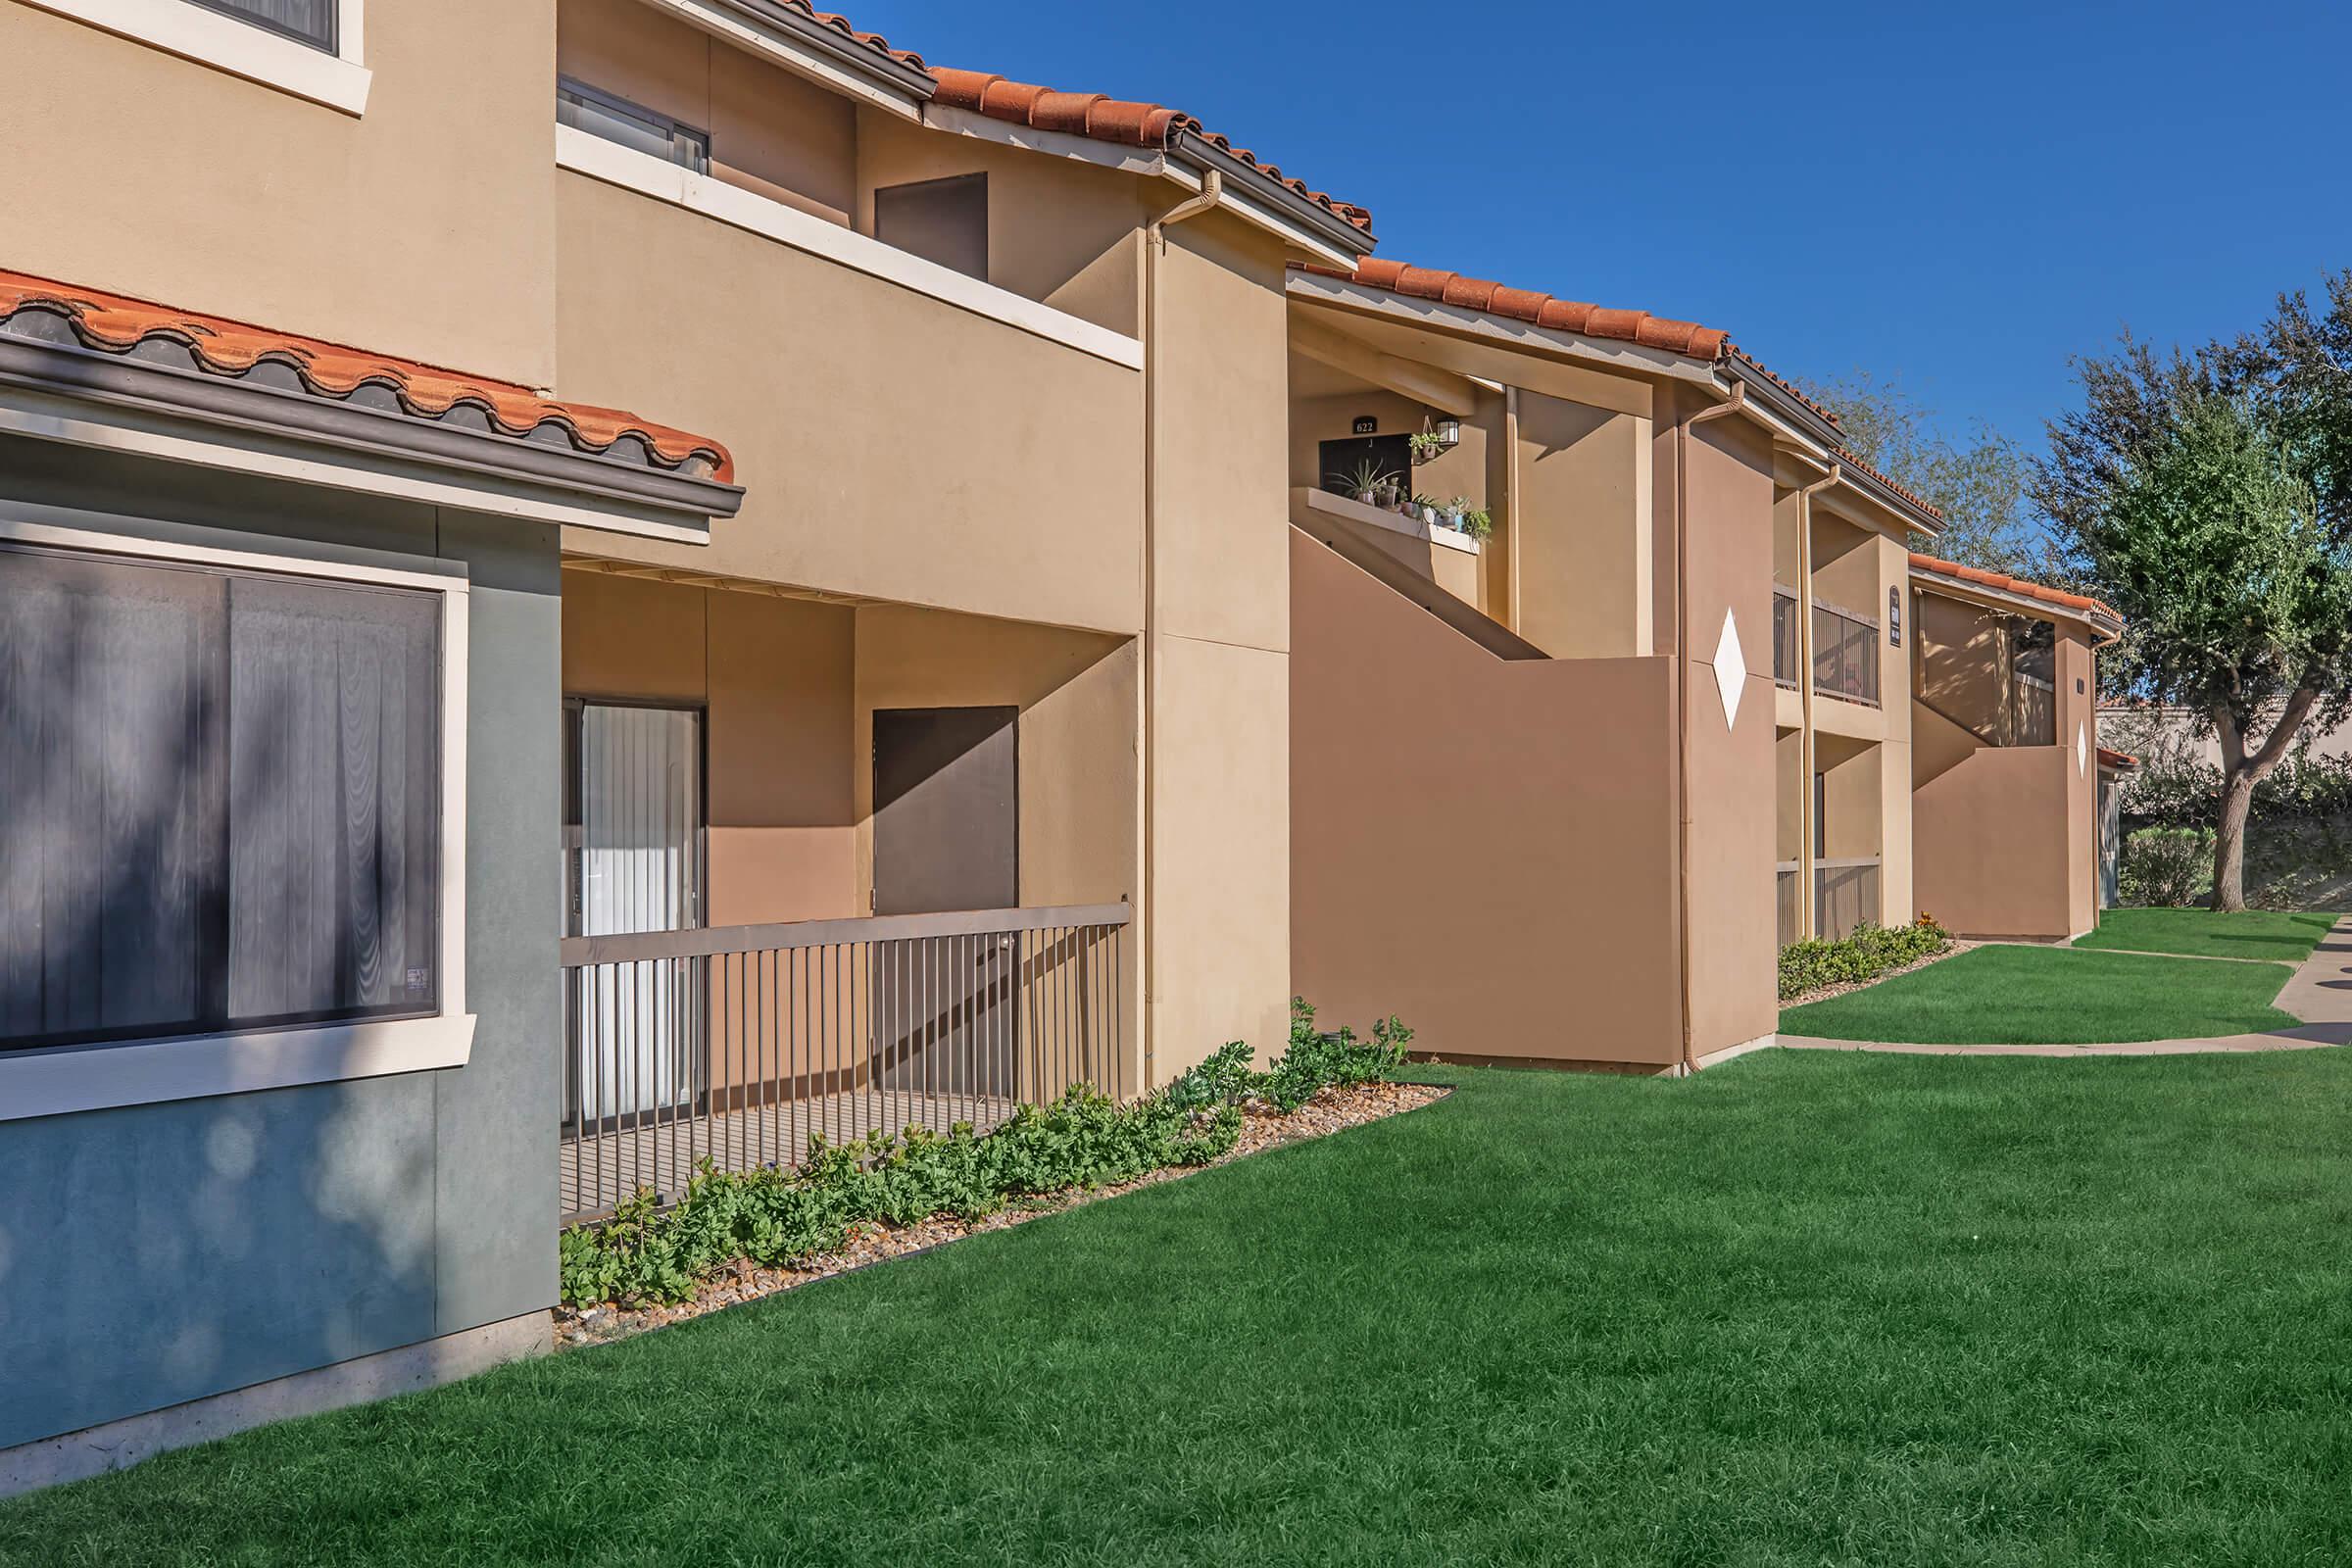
pixel 118 323
pixel 1526 305
pixel 1104 118
pixel 872 40
pixel 1980 579
pixel 2117 760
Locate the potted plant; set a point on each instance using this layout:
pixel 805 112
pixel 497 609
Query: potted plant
pixel 1390 490
pixel 1426 510
pixel 1426 445
pixel 1364 481
pixel 1478 522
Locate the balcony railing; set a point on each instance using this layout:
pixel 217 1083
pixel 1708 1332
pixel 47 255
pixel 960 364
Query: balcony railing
pixel 1846 896
pixel 739 1043
pixel 1787 657
pixel 1846 655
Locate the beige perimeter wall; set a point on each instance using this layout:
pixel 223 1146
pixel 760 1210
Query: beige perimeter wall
pixel 1478 845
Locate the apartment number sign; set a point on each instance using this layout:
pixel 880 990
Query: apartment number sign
pixel 1366 424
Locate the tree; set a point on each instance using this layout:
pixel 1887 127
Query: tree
pixel 1980 484
pixel 2186 510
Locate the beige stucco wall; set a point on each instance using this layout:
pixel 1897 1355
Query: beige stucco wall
pixel 139 171
pixel 1220 903
pixel 2005 837
pixel 894 446
pixel 1063 232
pixel 771 131
pixel 1733 926
pixel 1478 845
pixel 1578 525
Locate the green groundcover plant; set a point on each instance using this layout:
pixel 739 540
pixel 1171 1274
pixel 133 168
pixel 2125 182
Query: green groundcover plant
pixel 644 1253
pixel 1869 953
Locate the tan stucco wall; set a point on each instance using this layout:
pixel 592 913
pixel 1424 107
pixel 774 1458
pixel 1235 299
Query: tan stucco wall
pixel 894 446
pixel 1477 845
pixel 1734 925
pixel 771 131
pixel 1220 908
pixel 1578 526
pixel 139 171
pixel 1461 472
pixel 1063 232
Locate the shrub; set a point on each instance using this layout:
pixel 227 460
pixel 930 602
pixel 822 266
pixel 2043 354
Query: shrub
pixel 1869 952
pixel 643 1252
pixel 2167 866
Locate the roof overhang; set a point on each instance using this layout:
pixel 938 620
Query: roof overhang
pixel 62 391
pixel 1801 429
pixel 792 37
pixel 1248 194
pixel 2104 627
pixel 1499 331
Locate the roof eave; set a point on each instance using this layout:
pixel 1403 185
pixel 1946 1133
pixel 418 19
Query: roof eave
pixel 1335 232
pixel 879 69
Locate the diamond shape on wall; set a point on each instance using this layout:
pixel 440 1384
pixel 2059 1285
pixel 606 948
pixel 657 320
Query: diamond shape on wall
pixel 2081 751
pixel 1731 670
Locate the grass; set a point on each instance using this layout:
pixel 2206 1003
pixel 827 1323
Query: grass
pixel 1806 1308
pixel 2250 934
pixel 1999 996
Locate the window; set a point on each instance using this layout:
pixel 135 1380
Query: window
pixel 943 221
pixel 312 22
pixel 224 798
pixel 600 114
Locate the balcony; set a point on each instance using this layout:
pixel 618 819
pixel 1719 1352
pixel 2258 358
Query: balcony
pixel 1845 655
pixel 1845 897
pixel 740 1045
pixel 1787 656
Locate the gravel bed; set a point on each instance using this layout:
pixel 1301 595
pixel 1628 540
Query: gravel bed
pixel 1262 1128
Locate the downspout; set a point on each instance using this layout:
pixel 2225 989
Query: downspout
pixel 1155 242
pixel 1806 827
pixel 1682 701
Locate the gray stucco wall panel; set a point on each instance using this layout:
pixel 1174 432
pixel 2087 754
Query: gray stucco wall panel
pixel 497 1173
pixel 160 1253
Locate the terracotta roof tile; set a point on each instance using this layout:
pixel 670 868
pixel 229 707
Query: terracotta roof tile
pixel 1105 119
pixel 872 40
pixel 2117 760
pixel 118 323
pixel 1527 305
pixel 1977 576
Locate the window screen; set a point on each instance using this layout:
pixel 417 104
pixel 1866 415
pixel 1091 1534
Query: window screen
pixel 944 220
pixel 600 114
pixel 223 800
pixel 311 20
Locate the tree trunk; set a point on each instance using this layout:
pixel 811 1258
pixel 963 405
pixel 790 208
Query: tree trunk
pixel 2241 770
pixel 2230 841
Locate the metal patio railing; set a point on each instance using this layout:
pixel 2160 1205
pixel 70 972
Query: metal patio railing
pixel 1846 655
pixel 1786 658
pixel 1845 894
pixel 738 1043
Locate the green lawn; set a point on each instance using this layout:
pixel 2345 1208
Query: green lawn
pixel 2000 996
pixel 1803 1309
pixel 2250 934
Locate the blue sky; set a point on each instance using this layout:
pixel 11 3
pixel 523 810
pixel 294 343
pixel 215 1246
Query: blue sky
pixel 1959 196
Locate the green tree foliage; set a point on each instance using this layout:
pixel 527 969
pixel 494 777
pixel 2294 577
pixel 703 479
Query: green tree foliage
pixel 2209 542
pixel 1979 483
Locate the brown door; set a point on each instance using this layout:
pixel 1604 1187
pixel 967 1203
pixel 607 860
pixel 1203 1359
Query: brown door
pixel 946 838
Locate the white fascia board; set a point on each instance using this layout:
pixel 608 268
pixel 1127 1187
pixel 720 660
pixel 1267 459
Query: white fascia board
pixel 779 47
pixel 584 153
pixel 48 417
pixel 215 39
pixel 1525 336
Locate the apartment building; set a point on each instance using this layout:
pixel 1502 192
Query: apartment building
pixel 590 584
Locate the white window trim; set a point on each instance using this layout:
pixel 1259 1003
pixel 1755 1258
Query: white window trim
pixel 338 81
pixel 59 1080
pixel 585 153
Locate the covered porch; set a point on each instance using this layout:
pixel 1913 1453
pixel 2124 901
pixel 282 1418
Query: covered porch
pixel 833 868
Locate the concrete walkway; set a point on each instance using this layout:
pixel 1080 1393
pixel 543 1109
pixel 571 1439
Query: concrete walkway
pixel 2318 993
